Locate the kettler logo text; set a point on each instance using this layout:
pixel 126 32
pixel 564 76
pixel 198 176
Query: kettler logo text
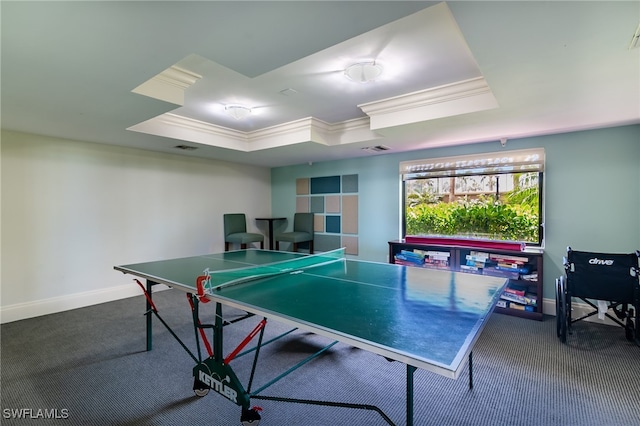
pixel 219 386
pixel 596 261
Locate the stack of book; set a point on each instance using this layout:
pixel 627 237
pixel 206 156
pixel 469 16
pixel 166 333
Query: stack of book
pixel 435 259
pixel 476 262
pixel 409 258
pixel 516 296
pixel 428 258
pixel 511 267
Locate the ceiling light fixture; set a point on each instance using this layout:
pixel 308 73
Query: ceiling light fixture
pixel 238 112
pixel 363 72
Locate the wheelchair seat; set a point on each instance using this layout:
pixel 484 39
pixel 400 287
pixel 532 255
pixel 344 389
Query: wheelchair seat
pixel 604 281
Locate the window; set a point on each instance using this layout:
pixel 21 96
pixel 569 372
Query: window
pixel 496 196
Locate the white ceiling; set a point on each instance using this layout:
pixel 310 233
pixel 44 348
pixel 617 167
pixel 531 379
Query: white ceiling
pixel 154 75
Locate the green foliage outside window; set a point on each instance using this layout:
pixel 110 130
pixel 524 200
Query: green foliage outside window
pixel 512 215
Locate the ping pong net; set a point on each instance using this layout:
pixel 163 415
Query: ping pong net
pixel 215 280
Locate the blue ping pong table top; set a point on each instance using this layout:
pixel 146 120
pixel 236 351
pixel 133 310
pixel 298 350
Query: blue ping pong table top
pixel 423 317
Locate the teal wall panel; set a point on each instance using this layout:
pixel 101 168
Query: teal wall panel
pixel 349 183
pixel 332 224
pixel 326 242
pixel 325 185
pixel 317 204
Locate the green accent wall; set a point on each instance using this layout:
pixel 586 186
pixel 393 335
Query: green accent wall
pixel 592 192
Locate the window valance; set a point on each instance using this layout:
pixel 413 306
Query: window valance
pixel 516 161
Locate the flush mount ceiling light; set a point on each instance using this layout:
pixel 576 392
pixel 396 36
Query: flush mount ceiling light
pixel 238 112
pixel 363 72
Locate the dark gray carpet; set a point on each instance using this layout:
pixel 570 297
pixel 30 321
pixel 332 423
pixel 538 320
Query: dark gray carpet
pixel 91 366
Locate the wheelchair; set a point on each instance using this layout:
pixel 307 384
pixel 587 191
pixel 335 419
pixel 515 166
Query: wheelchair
pixel 613 279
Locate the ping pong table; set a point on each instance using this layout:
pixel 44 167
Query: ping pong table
pixel 424 318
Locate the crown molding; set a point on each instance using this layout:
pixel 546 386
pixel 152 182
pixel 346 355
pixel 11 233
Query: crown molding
pixel 443 101
pixel 304 130
pixel 178 127
pixel 169 85
pixel 198 126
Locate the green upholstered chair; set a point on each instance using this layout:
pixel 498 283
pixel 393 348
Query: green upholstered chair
pixel 302 232
pixel 235 232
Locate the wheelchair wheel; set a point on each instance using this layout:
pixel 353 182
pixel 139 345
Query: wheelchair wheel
pixel 636 337
pixel 561 310
pixel 558 308
pixel 629 328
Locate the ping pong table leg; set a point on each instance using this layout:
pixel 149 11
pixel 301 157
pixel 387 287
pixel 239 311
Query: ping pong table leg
pixel 410 370
pixel 150 284
pixel 218 334
pixel 471 370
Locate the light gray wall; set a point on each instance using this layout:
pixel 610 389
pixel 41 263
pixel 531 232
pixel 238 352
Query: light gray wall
pixel 592 192
pixel 72 210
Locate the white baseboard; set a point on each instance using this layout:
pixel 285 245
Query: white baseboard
pixel 53 305
pixel 578 309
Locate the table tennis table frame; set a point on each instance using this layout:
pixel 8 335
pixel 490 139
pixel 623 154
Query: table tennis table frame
pixel 218 362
